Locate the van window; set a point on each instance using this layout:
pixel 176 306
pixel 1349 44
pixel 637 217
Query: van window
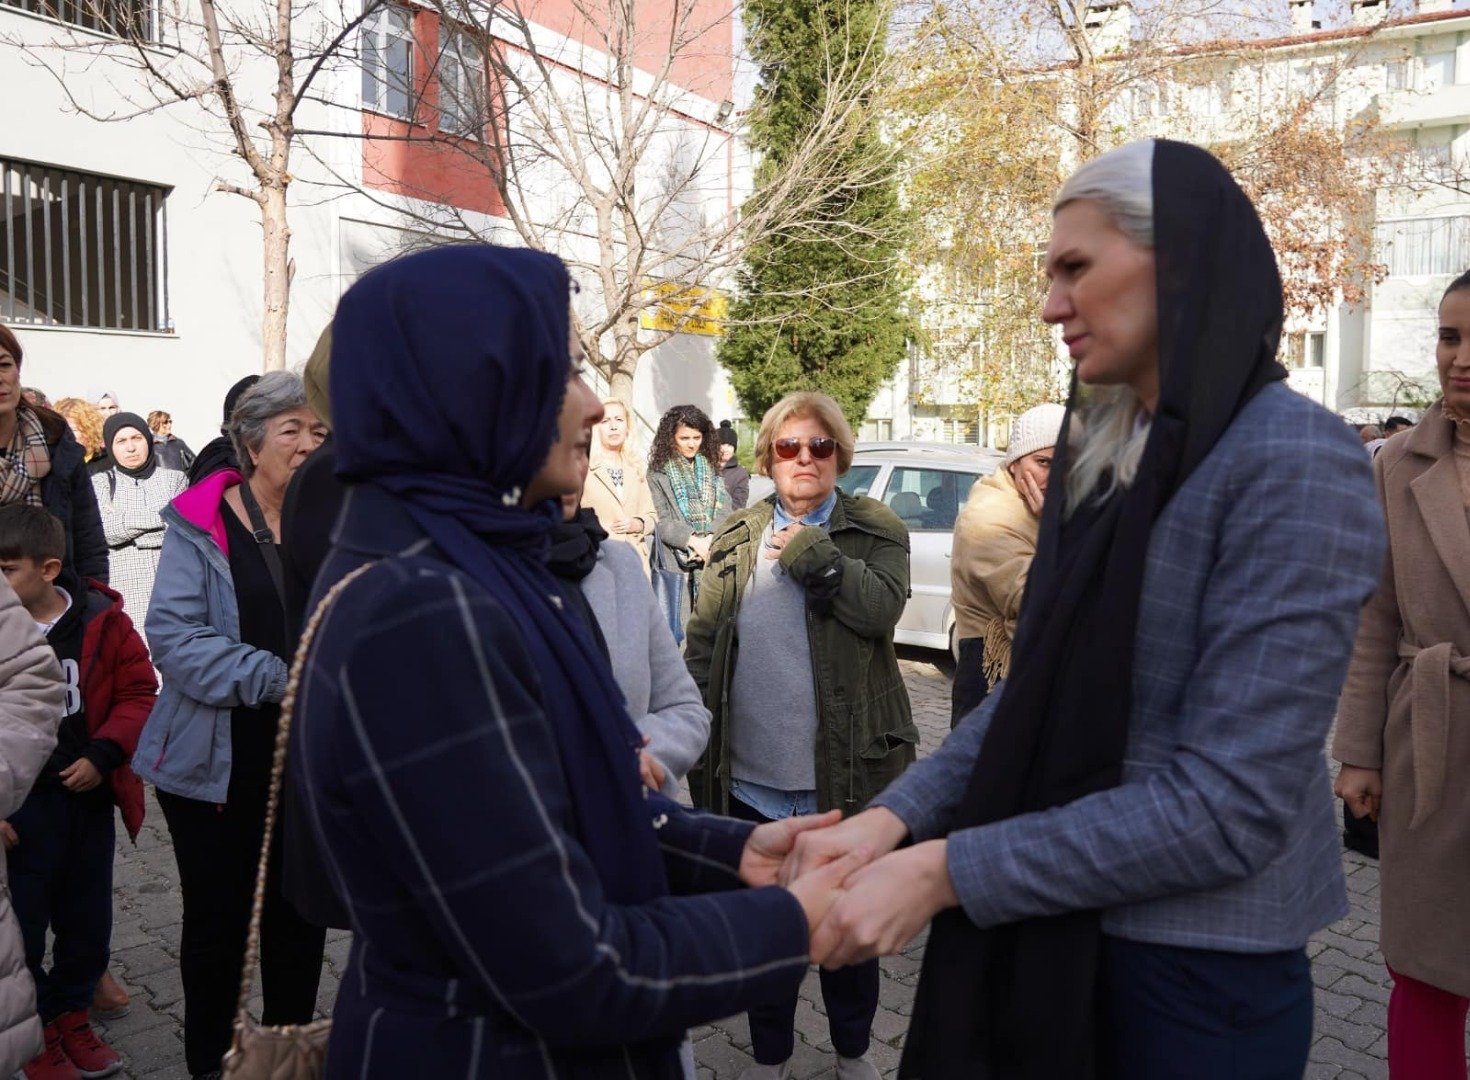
pixel 858 479
pixel 928 499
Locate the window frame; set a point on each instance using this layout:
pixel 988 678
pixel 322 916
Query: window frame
pixel 378 38
pixel 890 490
pixel 82 250
pixel 454 40
pixel 141 16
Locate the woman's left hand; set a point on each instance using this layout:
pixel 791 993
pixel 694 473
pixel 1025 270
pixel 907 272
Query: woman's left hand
pixel 769 844
pixel 885 905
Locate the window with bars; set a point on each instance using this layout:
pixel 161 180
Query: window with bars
pixel 77 249
pixel 117 18
pixel 1425 246
pixel 387 61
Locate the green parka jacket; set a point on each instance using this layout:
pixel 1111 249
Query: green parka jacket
pixel 866 733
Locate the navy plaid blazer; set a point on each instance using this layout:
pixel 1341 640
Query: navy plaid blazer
pixel 483 945
pixel 1222 833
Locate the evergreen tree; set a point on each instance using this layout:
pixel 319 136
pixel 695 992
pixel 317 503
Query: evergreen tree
pixel 820 306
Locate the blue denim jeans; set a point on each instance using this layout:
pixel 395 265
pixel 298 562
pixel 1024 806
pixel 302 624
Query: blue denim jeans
pixel 772 803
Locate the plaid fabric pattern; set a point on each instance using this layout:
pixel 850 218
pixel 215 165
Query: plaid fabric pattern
pixel 1222 834
pixel 25 462
pixel 483 944
pixel 130 511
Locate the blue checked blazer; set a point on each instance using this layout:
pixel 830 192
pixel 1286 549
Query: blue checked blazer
pixel 1222 834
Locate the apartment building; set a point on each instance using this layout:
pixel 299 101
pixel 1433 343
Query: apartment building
pixel 1405 71
pixel 125 265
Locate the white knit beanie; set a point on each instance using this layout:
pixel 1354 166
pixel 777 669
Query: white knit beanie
pixel 1035 429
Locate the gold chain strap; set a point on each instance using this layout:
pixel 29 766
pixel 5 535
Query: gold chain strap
pixel 278 772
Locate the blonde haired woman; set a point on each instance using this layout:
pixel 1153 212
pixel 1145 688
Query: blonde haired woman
pixel 1126 848
pixel 616 489
pixel 85 421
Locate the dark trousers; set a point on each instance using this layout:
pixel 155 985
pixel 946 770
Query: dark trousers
pixel 218 849
pixel 850 994
pixel 61 879
pixel 970 686
pixel 1176 1013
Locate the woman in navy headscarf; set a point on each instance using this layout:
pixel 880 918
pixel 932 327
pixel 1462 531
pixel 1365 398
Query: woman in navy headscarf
pixel 469 767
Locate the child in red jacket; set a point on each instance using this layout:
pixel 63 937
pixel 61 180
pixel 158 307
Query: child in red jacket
pixel 60 841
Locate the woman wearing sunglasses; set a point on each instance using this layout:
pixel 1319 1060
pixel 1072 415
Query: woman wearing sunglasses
pixel 813 714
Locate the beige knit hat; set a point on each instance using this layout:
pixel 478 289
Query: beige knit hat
pixel 1035 429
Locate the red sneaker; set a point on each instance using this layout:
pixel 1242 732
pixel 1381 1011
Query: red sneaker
pixel 92 1057
pixel 52 1062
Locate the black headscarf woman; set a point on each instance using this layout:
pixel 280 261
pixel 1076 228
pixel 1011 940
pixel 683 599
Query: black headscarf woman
pixel 1019 1000
pixel 129 421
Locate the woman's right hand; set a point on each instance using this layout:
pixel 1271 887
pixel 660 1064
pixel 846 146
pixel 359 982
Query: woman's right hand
pixel 1361 789
pixel 818 890
pixel 877 831
pixel 700 546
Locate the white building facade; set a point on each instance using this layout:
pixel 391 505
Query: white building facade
pixel 125 268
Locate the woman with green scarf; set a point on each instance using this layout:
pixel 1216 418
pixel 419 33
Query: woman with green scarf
pixel 691 499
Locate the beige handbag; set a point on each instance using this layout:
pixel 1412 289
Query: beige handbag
pixel 285 1051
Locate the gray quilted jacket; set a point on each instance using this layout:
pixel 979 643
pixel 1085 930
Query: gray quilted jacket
pixel 31 701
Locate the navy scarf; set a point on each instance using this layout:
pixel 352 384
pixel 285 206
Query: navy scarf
pixel 453 366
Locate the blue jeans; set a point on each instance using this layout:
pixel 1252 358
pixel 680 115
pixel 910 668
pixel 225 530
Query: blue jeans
pixel 1174 1012
pixel 771 803
pixel 61 879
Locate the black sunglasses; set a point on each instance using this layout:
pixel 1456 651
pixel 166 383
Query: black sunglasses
pixel 821 446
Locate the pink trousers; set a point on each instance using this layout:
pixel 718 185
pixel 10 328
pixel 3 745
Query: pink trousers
pixel 1426 1031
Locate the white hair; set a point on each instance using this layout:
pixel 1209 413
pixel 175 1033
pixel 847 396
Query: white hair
pixel 1105 439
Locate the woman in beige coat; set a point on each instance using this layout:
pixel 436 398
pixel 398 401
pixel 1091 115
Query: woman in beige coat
pixel 994 543
pixel 1403 727
pixel 616 490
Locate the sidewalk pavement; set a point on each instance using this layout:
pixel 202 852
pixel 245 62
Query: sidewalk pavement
pixel 1352 984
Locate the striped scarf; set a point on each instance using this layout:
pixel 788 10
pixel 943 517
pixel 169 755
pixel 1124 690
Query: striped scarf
pixel 697 491
pixel 25 462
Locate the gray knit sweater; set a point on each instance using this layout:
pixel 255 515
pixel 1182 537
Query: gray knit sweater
pixel 773 695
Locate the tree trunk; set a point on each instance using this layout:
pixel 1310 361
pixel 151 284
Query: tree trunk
pixel 621 385
pixel 276 247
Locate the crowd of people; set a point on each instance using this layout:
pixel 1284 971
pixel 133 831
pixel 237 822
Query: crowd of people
pixel 519 641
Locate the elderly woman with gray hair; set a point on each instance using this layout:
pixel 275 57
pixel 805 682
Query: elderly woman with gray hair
pixel 217 629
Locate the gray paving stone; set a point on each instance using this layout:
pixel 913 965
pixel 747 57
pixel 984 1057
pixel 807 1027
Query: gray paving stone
pixel 1356 1036
pixel 1333 1051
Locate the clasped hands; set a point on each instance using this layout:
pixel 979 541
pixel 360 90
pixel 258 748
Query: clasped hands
pixel 862 898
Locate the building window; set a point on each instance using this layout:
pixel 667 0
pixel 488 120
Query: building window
pixel 1396 75
pixel 461 85
pixel 1306 350
pixel 1439 70
pixel 1425 246
pixel 1316 351
pixel 1145 99
pixel 387 61
pixel 1207 98
pixel 77 249
pixel 132 19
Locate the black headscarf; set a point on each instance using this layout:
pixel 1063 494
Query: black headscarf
pixel 115 423
pixel 1021 1000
